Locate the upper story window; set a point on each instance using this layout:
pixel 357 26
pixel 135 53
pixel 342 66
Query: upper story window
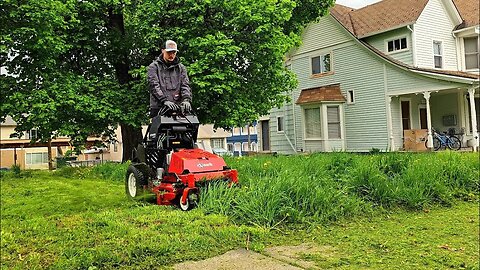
pixel 31 134
pixel 236 131
pixel 321 64
pixel 280 124
pixel 399 44
pixel 472 57
pixel 437 54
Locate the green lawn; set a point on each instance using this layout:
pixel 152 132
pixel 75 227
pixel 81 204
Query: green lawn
pixel 48 221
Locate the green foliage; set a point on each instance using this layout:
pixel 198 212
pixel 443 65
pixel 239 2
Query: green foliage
pixel 77 68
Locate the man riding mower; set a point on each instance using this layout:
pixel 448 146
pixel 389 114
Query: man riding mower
pixel 168 163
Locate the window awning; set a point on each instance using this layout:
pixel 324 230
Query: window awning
pixel 320 94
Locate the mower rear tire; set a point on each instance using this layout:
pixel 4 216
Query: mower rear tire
pixel 135 183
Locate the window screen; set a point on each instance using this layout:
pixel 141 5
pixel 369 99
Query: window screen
pixel 333 118
pixel 472 56
pixel 437 54
pixel 313 123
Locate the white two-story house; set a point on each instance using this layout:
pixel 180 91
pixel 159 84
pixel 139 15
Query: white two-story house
pixel 369 77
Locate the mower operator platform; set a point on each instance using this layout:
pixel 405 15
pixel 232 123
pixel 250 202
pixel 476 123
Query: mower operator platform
pixel 168 164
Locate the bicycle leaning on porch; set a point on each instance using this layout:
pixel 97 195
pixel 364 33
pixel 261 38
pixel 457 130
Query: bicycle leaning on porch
pixel 444 140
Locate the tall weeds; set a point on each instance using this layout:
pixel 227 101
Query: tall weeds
pixel 321 188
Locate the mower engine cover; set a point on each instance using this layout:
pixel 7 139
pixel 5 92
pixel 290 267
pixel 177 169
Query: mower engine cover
pixel 195 161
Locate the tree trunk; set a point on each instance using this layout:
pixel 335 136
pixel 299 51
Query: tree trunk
pixel 131 137
pixel 50 158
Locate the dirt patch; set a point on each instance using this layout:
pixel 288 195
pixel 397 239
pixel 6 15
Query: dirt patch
pixel 273 258
pixel 299 255
pixel 236 260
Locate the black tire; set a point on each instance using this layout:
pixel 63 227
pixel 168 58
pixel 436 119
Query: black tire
pixel 454 143
pixel 436 143
pixel 135 183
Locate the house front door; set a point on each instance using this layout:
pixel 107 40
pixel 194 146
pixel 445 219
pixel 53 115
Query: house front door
pixel 423 118
pixel 405 106
pixel 265 135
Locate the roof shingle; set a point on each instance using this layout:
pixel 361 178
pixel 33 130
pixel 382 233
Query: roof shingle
pixel 319 94
pixel 390 14
pixel 469 10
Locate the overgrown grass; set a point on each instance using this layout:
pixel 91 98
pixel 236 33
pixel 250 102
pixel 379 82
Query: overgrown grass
pixel 79 218
pixel 322 188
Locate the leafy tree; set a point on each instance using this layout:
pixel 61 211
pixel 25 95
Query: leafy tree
pixel 78 67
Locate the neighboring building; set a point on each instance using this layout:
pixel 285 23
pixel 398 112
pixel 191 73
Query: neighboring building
pixel 19 151
pixel 368 77
pixel 209 138
pixel 239 139
pixel 35 156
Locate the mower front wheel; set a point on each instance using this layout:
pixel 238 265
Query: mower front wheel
pixel 134 183
pixel 190 202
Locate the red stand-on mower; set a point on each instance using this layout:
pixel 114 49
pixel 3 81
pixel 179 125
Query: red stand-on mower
pixel 168 164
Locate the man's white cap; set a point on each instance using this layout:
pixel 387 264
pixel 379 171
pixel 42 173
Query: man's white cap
pixel 170 45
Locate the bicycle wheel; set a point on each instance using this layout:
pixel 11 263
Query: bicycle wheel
pixel 436 143
pixel 454 143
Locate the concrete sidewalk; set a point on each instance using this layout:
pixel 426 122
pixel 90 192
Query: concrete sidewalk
pixel 274 258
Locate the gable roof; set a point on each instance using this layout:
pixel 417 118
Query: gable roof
pixel 381 16
pixel 469 10
pixel 392 14
pixel 319 94
pixel 341 14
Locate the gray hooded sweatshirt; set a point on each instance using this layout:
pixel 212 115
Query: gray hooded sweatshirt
pixel 168 81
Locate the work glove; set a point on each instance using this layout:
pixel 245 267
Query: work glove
pixel 170 105
pixel 186 107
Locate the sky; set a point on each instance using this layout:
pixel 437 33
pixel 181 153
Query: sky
pixel 356 3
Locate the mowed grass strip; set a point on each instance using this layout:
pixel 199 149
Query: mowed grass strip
pixel 338 200
pixel 59 223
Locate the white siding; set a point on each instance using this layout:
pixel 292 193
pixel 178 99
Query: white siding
pixel 435 24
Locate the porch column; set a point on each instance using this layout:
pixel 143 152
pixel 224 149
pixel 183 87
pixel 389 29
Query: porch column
pixel 426 95
pixel 390 124
pixel 473 113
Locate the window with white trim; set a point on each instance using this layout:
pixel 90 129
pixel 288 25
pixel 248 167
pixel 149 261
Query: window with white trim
pixel 437 54
pixel 236 131
pixel 333 122
pixel 397 44
pixel 472 56
pixel 253 147
pixel 31 134
pixel 350 97
pixel 313 124
pixel 237 147
pixel 245 147
pixel 280 124
pixel 321 64
pixel 217 143
pixel 36 158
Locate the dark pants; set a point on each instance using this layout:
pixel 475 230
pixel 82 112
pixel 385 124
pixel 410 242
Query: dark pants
pixel 153 112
